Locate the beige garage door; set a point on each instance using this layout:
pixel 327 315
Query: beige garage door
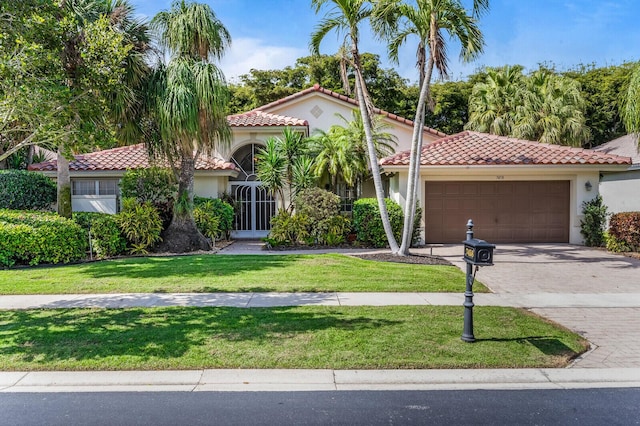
pixel 502 212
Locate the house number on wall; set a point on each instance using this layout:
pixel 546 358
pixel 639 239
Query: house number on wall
pixel 500 177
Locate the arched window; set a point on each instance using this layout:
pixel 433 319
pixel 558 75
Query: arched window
pixel 244 160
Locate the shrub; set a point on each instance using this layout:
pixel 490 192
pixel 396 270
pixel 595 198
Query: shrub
pixel 593 224
pixel 415 235
pixel 24 190
pixel 368 225
pixel 106 237
pixel 155 185
pixel 322 208
pixel 625 229
pixel 140 224
pixel 615 245
pixel 206 220
pixel 31 238
pixel 222 210
pixel 289 229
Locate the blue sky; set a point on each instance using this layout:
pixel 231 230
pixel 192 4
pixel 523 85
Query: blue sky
pixel 271 34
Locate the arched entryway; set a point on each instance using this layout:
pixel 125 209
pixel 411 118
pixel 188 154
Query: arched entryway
pixel 254 205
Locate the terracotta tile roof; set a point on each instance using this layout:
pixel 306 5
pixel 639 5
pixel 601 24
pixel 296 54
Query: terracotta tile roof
pixel 317 88
pixel 481 149
pixel 123 158
pixel 261 118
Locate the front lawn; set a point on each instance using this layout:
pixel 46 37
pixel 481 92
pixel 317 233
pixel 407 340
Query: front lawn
pixel 285 337
pixel 240 273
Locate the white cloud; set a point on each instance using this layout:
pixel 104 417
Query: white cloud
pixel 248 53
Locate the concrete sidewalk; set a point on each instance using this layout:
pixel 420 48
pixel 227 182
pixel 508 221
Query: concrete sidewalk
pixel 265 300
pixel 315 380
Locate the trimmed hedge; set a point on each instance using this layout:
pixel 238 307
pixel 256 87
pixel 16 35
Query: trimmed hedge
pixel 368 225
pixel 106 238
pixel 32 238
pixel 624 229
pixel 24 190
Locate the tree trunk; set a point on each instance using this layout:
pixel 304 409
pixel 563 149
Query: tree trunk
pixel 414 162
pixel 63 184
pixel 373 157
pixel 182 235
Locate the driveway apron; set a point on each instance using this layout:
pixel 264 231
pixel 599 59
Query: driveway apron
pixel 563 270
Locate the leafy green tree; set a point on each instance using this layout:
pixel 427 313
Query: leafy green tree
pixel 429 21
pixel 188 99
pixel 345 17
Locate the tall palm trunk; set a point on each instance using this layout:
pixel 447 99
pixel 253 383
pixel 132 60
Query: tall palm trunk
pixel 182 235
pixel 373 157
pixel 414 160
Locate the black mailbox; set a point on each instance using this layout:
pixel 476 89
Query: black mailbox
pixel 478 252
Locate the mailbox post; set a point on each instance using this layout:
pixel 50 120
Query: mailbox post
pixel 476 253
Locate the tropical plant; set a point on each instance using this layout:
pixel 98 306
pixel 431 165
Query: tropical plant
pixel 542 107
pixel 428 20
pixel 156 185
pixel 140 224
pixel 283 165
pixel 631 106
pixel 188 98
pixel 345 17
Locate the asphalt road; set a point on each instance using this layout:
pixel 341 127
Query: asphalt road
pixel 518 407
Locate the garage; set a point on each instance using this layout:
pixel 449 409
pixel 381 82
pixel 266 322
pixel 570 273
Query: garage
pixel 502 211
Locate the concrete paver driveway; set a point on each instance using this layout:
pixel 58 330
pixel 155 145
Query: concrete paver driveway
pixel 566 269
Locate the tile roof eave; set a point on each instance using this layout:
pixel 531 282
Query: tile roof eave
pixel 316 88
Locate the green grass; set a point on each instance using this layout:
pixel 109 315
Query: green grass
pixel 241 273
pixel 289 337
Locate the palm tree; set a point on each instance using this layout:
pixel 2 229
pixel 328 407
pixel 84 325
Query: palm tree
pixel 188 98
pixel 346 17
pixel 492 104
pixel 283 164
pixel 631 105
pixel 541 107
pixel 428 20
pixel 552 111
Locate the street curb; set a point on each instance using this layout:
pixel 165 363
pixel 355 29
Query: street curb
pixel 316 380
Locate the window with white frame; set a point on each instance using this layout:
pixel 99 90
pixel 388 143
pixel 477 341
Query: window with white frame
pixel 94 187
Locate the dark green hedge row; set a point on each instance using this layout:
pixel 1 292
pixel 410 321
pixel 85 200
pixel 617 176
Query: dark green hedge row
pixel 32 238
pixel 24 190
pixel 368 225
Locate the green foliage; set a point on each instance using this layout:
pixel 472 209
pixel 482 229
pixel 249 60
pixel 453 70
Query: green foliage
pixel 106 237
pixel 615 245
pixel 140 224
pixel 594 222
pixel 156 185
pixel 206 220
pixel 368 225
pixel 322 208
pixel 289 229
pixel 415 235
pixel 23 190
pixel 32 238
pixel 625 229
pixel 221 210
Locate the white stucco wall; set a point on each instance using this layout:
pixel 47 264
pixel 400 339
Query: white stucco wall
pixel 576 177
pixel 621 191
pixel 320 112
